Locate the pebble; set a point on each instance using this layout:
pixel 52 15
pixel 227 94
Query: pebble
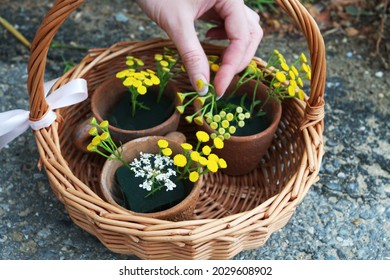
pixel 379 74
pixel 121 17
pixel 333 186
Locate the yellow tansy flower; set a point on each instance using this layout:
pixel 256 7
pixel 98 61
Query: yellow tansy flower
pixel 141 90
pixel 137 83
pixel 284 66
pixel 302 58
pixel 186 146
pixel 158 57
pixel 299 82
pixel 212 166
pixel 148 82
pixel 301 94
pixel 167 152
pixel 129 81
pixel 213 157
pixel 295 71
pixel 203 161
pixel 305 67
pixel 180 160
pixel 155 80
pixel 162 143
pixel 214 67
pixel 291 90
pixel 218 143
pixel 206 150
pixel 164 63
pixel 194 176
pixel 222 163
pixel 202 136
pixel 280 76
pixel 195 156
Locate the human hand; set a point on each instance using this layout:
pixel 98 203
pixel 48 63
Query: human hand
pixel 237 23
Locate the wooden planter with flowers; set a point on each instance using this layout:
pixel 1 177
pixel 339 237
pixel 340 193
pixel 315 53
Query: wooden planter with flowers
pixel 233 213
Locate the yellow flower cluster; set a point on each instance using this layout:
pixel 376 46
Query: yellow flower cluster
pixel 165 64
pixel 202 155
pixel 287 81
pixel 102 142
pixel 137 81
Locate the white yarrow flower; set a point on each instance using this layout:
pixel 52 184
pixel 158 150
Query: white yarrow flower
pixel 155 169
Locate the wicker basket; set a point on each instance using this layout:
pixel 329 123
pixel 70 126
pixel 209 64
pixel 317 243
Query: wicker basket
pixel 234 213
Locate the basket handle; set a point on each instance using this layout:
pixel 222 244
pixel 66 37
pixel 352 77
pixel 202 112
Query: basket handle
pixel 63 8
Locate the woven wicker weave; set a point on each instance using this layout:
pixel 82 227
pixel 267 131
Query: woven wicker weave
pixel 234 213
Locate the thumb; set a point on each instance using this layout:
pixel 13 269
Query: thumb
pixel 192 54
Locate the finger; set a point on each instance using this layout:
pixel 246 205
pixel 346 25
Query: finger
pixel 237 31
pixel 192 54
pixel 256 34
pixel 217 33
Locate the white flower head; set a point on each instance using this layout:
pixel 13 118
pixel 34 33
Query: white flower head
pixel 155 169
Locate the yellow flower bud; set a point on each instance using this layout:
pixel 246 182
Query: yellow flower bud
pixel 214 67
pixel 91 147
pixel 96 140
pixel 199 83
pixel 104 124
pixel 302 58
pixel 188 118
pixel 93 131
pixel 105 136
pixel 181 109
pixel 198 120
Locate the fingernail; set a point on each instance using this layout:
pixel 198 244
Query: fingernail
pixel 219 97
pixel 201 85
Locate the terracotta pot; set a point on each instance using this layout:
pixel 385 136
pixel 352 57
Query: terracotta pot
pixel 106 97
pixel 131 150
pixel 244 153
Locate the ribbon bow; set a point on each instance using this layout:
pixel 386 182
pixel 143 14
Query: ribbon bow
pixel 15 122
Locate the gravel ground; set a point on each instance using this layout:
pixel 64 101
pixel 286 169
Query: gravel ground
pixel 344 216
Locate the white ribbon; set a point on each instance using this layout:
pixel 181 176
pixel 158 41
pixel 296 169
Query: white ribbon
pixel 15 122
